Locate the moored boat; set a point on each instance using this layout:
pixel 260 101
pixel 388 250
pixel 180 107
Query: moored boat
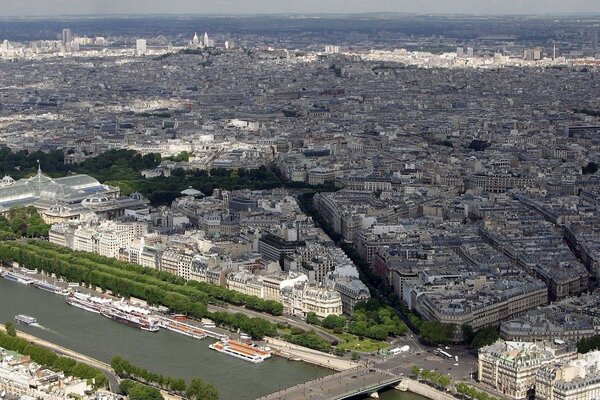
pixel 144 323
pixel 87 302
pixel 241 350
pixel 51 288
pixel 19 278
pixel 184 329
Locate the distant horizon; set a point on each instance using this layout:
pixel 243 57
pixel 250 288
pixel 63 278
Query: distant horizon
pixel 70 8
pixel 300 14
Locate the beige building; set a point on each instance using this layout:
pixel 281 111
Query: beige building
pixel 511 367
pixel 577 379
pixel 105 238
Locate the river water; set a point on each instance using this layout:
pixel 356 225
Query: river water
pixel 163 352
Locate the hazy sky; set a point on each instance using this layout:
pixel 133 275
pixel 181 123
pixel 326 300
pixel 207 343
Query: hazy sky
pixel 64 7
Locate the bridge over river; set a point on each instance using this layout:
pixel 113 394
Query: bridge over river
pixel 343 385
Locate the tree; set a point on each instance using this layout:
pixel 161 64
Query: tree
pixel 334 321
pixel 485 337
pixel 443 381
pixel 198 390
pixel 416 371
pixel 435 332
pixel 10 329
pixel 590 168
pixel 468 333
pixel 311 318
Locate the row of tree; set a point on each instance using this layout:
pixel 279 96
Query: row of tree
pixel 435 378
pixel 124 280
pixel 53 361
pixel 198 291
pixel 197 388
pixel 472 393
pixel 236 298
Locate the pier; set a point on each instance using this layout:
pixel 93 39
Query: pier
pixel 343 385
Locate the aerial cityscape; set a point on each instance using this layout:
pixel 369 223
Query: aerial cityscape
pixel 270 200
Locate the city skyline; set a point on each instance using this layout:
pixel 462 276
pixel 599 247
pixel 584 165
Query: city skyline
pixel 37 8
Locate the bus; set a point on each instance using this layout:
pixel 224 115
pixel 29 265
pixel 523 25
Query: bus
pixel 442 353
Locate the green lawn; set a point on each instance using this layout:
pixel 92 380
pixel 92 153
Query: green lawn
pixel 348 341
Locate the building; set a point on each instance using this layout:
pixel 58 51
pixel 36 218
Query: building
pixel 275 248
pixel 570 379
pixel 106 238
pixel 512 367
pixel 24 379
pixel 67 36
pixel 452 298
pixel 302 298
pixel 352 291
pixel 140 47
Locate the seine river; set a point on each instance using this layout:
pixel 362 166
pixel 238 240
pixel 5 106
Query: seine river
pixel 164 352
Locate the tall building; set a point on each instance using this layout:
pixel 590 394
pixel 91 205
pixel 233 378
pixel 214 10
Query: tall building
pixel 67 36
pixel 331 49
pixel 470 52
pixel 195 40
pixel 594 38
pixel 206 42
pixel 460 52
pixel 140 47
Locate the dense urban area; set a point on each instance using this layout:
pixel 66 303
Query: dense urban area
pixel 417 197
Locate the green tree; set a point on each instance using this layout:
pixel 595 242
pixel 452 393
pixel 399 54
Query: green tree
pixel 311 318
pixel 10 329
pixel 416 371
pixel 468 333
pixel 334 321
pixel 485 337
pixel 434 332
pixel 198 390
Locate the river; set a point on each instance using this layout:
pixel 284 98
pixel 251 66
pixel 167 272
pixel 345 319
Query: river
pixel 163 352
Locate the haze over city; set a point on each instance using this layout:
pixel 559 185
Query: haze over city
pixel 41 8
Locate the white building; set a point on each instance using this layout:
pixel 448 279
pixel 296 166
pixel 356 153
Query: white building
pixel 140 47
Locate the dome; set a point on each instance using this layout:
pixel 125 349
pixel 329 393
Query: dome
pixel 137 196
pixel 7 181
pixel 95 200
pixel 59 209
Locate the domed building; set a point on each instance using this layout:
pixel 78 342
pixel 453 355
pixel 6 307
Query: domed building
pixel 65 199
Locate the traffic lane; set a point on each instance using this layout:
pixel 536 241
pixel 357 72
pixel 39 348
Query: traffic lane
pixel 403 362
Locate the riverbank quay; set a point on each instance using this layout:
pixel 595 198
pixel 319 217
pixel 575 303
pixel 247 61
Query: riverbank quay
pixel 113 379
pixel 410 385
pixel 299 353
